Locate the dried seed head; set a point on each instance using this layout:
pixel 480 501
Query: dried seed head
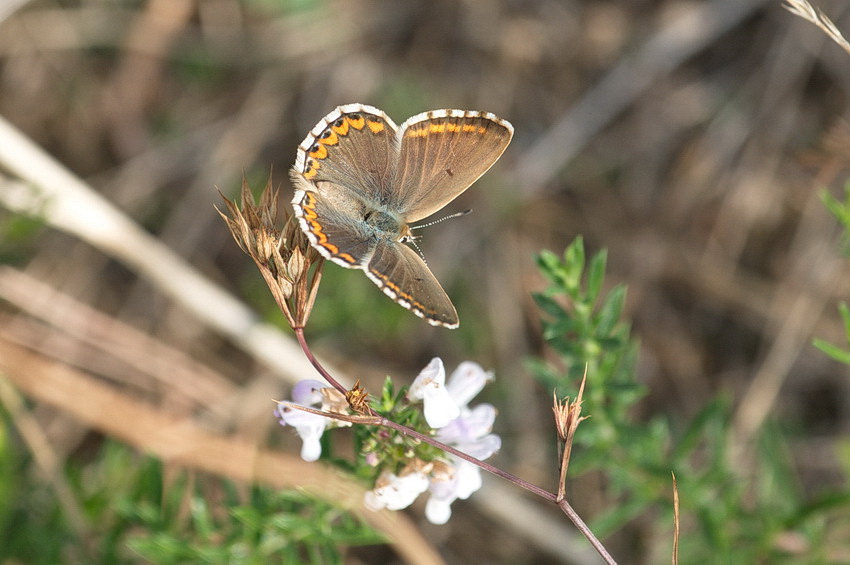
pixel 286 260
pixel 358 399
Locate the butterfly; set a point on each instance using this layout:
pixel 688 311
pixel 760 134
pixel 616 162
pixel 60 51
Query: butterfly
pixel 361 181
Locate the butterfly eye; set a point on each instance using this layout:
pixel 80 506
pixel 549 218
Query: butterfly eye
pixel 338 123
pixel 355 116
pixel 326 134
pixel 314 148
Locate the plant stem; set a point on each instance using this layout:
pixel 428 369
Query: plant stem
pixel 582 527
pixel 299 333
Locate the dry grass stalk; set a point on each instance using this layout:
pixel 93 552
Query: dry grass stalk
pixel 803 9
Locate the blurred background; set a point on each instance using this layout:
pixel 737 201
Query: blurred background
pixel 691 139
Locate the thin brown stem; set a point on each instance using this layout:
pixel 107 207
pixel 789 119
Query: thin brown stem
pixel 582 527
pixel 299 333
pixel 562 477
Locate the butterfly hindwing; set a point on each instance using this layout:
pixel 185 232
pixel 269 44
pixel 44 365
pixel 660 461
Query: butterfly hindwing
pixel 405 278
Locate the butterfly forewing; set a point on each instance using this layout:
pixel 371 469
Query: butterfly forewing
pixel 354 147
pixel 442 153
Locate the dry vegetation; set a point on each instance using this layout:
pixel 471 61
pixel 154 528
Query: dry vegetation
pixel 690 139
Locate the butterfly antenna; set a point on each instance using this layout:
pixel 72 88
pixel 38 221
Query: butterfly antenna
pixel 437 221
pixel 411 239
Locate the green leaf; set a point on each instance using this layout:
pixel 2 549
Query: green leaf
pixel 550 266
pixel 596 274
pixel 573 266
pixel 611 310
pixel 548 304
pixel 844 310
pixel 840 355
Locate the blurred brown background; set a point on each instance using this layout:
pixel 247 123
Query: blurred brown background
pixel 689 139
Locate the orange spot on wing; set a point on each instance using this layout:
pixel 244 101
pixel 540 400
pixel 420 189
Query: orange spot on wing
pixel 358 123
pixel 331 139
pixel 375 126
pixel 320 153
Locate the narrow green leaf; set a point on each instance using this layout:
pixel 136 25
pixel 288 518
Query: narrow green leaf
pixel 596 274
pixel 548 304
pixel 611 310
pixel 573 266
pixel 550 266
pixel 844 310
pixel 840 355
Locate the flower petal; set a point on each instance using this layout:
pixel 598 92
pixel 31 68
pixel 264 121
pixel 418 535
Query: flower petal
pixel 468 479
pixel 430 387
pixel 439 408
pixel 471 425
pixel 311 448
pixel 310 428
pixel 467 381
pixel 307 392
pixel 396 492
pixel 433 372
pixel 438 511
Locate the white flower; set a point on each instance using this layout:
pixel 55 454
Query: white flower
pixel 465 479
pixel 310 427
pixel 430 388
pixel 446 410
pixel 470 433
pixel 396 492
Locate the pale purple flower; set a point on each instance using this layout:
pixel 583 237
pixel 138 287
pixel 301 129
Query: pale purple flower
pixel 470 433
pixel 467 381
pixel 310 427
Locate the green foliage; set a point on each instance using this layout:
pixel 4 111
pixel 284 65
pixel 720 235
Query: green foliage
pixel 380 449
pixel 841 210
pixel 842 355
pixel 18 234
pixel 729 515
pixel 273 527
pixel 585 329
pixel 195 519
